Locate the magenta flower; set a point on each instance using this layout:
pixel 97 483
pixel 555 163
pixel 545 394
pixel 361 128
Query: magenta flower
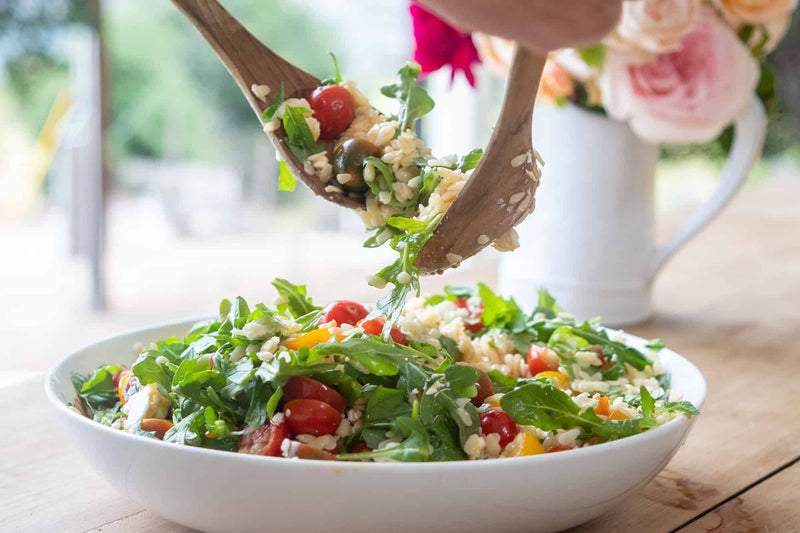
pixel 437 44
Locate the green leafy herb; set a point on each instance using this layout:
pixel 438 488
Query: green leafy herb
pixel 272 110
pixel 414 100
pixel 299 137
pixel 656 345
pixel 594 56
pixel 286 181
pixel 408 237
pixel 97 390
pixel 297 301
pixel 470 161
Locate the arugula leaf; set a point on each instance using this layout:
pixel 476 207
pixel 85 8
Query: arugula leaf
pixel 444 442
pixel 462 379
pixel 548 408
pixel 430 180
pixel 414 448
pixel 502 383
pixel 497 311
pixel 470 161
pixel 272 110
pixel 345 384
pixel 407 242
pixel 259 401
pixel 371 353
pixel 648 405
pixel 98 389
pixel 298 302
pixel 655 345
pixel 623 352
pixel 286 181
pixel 451 347
pixel 147 370
pixel 684 407
pixel 414 100
pixel 384 404
pixel 547 305
pixel 298 135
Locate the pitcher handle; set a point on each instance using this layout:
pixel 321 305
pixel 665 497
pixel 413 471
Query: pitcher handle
pixel 749 130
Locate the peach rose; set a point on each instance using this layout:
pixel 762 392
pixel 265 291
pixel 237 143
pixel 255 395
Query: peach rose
pixel 756 11
pixel 653 26
pixel 556 83
pixel 495 52
pixel 684 96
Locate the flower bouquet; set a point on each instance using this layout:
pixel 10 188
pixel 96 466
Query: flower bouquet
pixel 677 71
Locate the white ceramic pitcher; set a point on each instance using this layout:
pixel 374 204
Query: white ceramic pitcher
pixel 590 241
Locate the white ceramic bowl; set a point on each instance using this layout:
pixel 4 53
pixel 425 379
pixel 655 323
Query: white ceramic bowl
pixel 221 491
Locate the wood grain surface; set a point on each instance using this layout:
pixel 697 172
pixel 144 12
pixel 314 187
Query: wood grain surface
pixel 730 302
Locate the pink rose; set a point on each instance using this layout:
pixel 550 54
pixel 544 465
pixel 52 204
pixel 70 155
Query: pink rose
pixel 684 96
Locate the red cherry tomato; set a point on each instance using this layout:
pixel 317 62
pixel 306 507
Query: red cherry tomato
pixel 343 312
pixel 495 420
pixel 537 362
pixel 473 323
pixel 299 387
pixel 311 416
pixel 559 448
pixel 334 107
pixel 374 326
pixel 266 440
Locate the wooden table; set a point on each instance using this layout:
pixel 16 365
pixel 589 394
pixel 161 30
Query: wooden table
pixel 730 302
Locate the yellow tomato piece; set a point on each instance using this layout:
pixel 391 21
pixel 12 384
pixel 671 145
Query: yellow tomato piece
pixel 526 445
pixel 311 339
pixel 123 380
pixel 559 380
pixel 617 415
pixel 603 407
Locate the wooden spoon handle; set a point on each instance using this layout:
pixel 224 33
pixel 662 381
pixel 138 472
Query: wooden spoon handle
pixel 245 57
pixel 501 191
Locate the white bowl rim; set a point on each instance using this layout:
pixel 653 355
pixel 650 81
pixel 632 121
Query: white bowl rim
pixel 432 466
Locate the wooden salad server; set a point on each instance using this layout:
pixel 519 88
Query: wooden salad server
pixel 251 63
pixel 501 191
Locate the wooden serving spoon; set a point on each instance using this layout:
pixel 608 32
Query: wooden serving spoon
pixel 251 63
pixel 500 192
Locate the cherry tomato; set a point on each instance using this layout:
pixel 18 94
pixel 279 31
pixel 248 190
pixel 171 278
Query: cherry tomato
pixel 312 417
pixel 266 440
pixel 484 385
pixel 473 324
pixel 343 312
pixel 374 326
pixel 305 387
pixel 334 107
pixel 115 379
pixel 559 448
pixel 495 420
pixel 537 361
pixel 359 446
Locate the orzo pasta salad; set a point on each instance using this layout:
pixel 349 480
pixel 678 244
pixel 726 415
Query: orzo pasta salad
pixel 462 375
pixel 379 158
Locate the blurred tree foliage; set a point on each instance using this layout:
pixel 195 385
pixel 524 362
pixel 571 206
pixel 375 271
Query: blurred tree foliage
pixel 170 95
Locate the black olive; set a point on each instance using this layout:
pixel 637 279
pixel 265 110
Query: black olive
pixel 348 158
